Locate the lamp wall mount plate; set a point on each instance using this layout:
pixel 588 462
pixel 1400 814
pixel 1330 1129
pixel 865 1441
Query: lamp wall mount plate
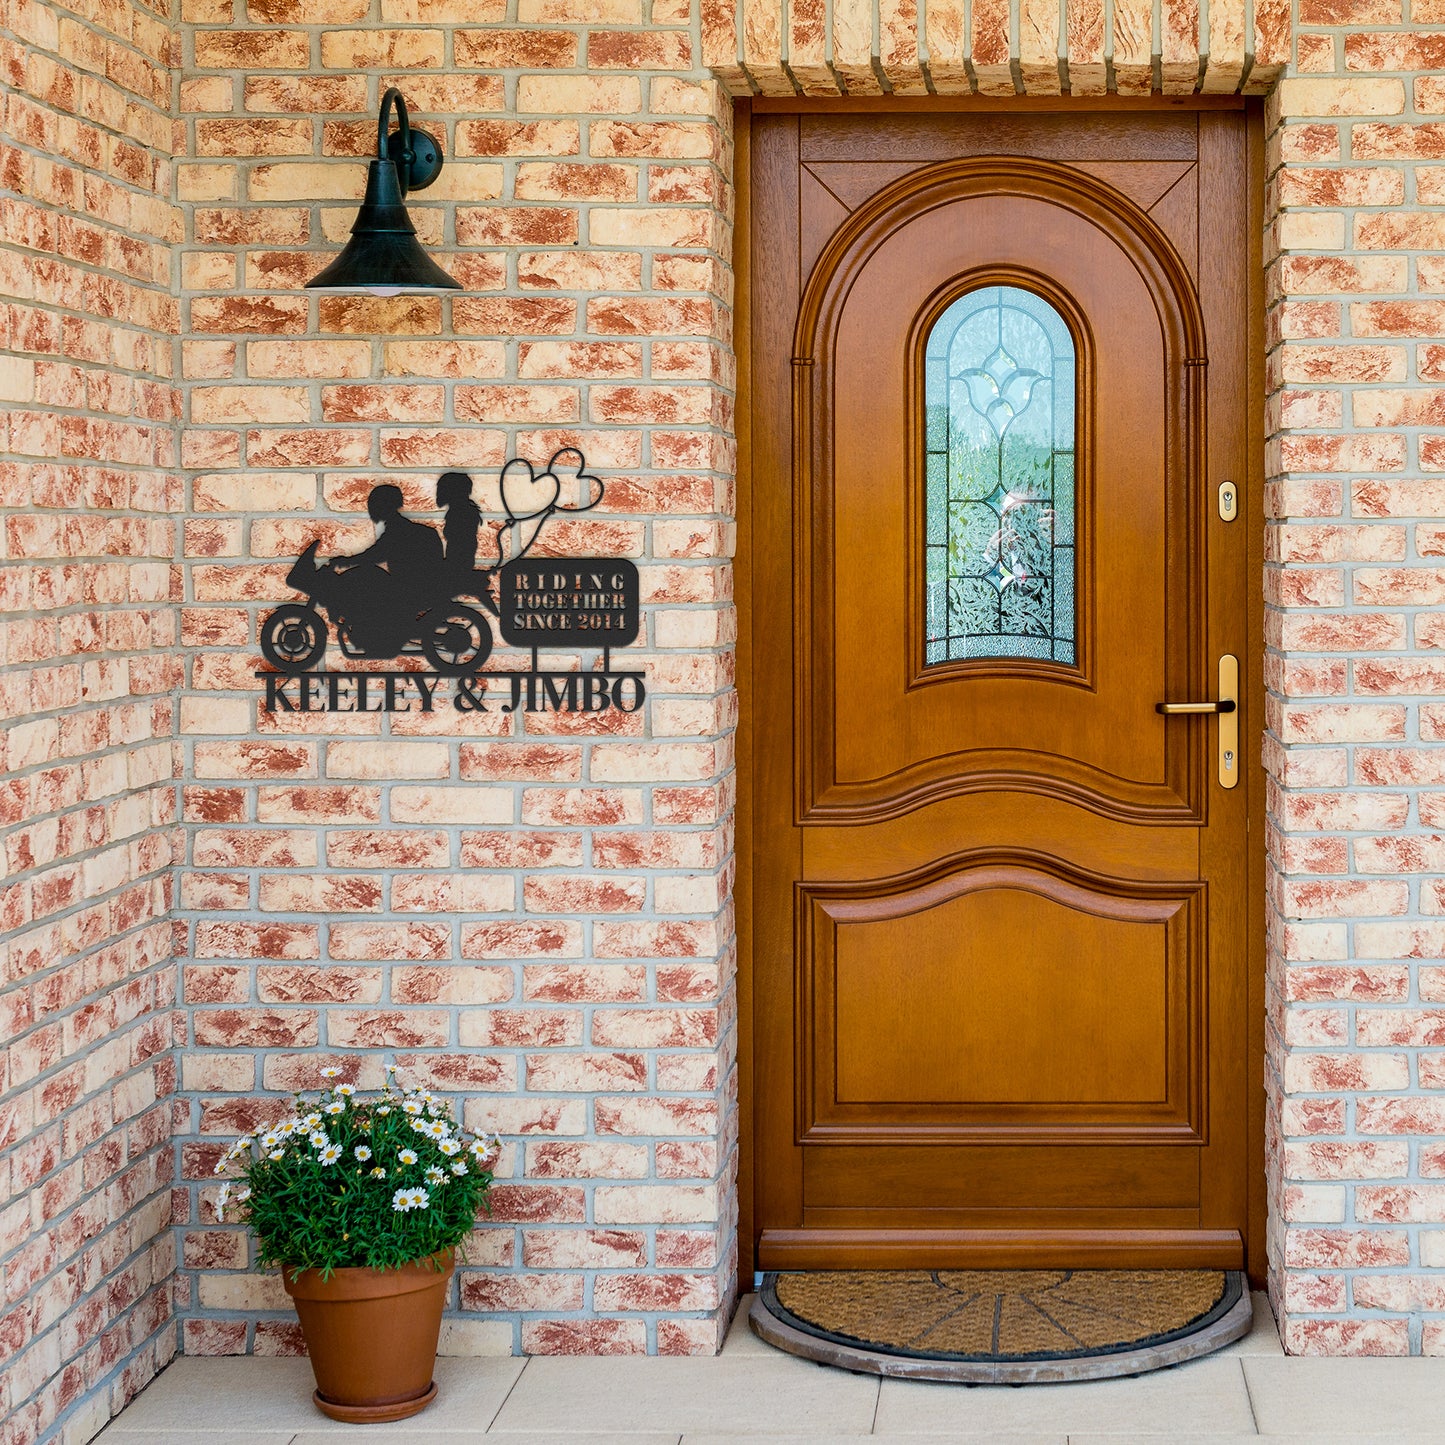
pixel 417 157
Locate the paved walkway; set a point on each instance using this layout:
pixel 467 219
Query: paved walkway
pixel 1245 1392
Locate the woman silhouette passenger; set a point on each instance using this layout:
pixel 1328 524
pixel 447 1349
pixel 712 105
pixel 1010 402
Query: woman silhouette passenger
pixel 461 527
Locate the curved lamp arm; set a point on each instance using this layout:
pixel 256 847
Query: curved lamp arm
pixel 393 97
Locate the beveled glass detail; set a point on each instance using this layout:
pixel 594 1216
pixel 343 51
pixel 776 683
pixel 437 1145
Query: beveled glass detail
pixel 999 397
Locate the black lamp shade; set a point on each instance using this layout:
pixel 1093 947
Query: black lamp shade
pixel 383 255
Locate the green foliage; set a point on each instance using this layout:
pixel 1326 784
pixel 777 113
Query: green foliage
pixel 350 1180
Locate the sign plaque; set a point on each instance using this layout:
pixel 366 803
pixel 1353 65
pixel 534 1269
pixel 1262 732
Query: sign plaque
pixel 418 592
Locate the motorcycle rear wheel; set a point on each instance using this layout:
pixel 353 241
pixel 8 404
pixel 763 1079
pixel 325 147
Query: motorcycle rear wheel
pixel 456 639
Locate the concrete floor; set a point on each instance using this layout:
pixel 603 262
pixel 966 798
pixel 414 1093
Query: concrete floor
pixel 1242 1393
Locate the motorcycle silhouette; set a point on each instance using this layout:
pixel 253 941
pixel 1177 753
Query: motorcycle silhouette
pixel 390 611
pixel 456 639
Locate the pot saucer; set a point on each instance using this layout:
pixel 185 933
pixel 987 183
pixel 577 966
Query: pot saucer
pixel 375 1414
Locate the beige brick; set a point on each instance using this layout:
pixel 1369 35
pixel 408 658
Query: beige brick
pixel 389 759
pixel 1353 96
pixel 250 403
pixel 306 181
pixel 1297 231
pixel 326 359
pixel 253 492
pixel 474 359
pixel 207 183
pixel 464 803
pixel 638 226
pixel 578 95
pixel 374 49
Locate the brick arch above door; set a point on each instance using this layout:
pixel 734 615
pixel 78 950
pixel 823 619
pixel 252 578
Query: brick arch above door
pixel 995 48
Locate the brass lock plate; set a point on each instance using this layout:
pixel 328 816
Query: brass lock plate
pixel 1228 501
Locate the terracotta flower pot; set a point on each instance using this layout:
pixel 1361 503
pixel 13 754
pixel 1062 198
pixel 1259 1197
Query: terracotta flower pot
pixel 372 1336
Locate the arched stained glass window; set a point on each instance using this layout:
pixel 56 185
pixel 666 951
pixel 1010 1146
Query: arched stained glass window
pixel 999 392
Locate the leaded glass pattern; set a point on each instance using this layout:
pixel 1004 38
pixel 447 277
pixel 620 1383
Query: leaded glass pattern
pixel 999 393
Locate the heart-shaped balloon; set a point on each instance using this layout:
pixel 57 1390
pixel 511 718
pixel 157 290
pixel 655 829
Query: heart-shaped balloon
pixel 524 492
pixel 569 467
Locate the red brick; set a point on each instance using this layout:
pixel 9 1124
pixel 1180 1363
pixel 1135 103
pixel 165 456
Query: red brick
pixel 584 1337
pixel 521 940
pixel 255 1028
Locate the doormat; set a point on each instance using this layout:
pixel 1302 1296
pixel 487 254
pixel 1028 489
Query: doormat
pixel 999 1326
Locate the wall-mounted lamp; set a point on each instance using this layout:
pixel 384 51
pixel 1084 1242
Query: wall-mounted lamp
pixel 383 255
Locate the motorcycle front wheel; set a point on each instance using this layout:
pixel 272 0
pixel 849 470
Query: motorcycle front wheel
pixel 456 639
pixel 293 637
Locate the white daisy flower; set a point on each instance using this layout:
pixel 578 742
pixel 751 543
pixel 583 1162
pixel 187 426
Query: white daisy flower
pixel 362 1152
pixel 331 1154
pixel 319 1139
pixel 450 1146
pixel 384 1110
pixel 242 1195
pixel 435 1176
pixel 459 1167
pixel 311 1120
pixel 277 1154
pixel 331 1073
pixel 407 1156
pixel 486 1148
pixel 378 1172
pixel 345 1090
pixel 437 1129
pixel 220 1166
pixel 270 1140
pixel 412 1106
pixel 392 1068
pixel 335 1107
pixel 405 1200
pixel 289 1127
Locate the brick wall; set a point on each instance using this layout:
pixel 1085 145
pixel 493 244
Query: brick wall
pixel 88 494
pixel 532 915
pixel 1354 580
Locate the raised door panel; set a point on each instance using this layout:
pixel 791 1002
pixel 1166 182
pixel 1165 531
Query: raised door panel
pixel 999 999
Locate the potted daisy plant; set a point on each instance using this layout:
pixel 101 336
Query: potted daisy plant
pixel 362 1202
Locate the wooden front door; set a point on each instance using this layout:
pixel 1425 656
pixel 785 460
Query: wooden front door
pixel 999 372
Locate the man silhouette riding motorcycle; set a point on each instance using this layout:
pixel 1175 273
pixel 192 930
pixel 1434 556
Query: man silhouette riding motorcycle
pixel 377 595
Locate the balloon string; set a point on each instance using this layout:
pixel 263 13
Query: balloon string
pixel 510 523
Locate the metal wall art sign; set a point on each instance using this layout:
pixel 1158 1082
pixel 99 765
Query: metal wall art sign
pixel 419 592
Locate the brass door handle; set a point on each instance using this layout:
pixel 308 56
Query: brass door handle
pixel 1174 709
pixel 1226 707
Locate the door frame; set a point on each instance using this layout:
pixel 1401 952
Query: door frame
pixel 1253 516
